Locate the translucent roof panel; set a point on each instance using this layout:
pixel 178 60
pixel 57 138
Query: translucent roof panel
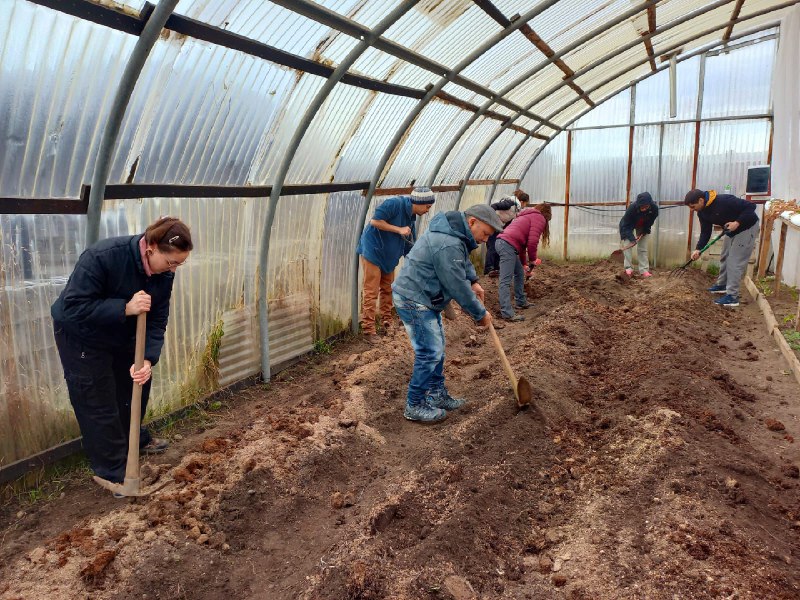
pixel 554 101
pixel 504 62
pixel 463 93
pixel 541 83
pixel 379 65
pixel 652 94
pixel 685 35
pixel 412 76
pixel 604 45
pixel 496 155
pixel 739 82
pixel 437 30
pixel 467 149
pixel 570 20
pixel 545 180
pixel 53 96
pixel 422 146
pixel 631 60
pixel 614 111
pixel 520 159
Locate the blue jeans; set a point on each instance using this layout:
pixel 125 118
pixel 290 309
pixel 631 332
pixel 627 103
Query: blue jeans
pixel 424 328
pixel 510 268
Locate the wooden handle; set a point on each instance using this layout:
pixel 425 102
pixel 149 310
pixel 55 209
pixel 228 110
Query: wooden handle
pixel 502 354
pixel 132 466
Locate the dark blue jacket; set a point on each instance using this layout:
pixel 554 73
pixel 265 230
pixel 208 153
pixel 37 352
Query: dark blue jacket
pixel 92 305
pixel 438 268
pixel 385 248
pixel 631 219
pixel 724 209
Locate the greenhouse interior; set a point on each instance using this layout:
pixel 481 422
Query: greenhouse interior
pixel 408 299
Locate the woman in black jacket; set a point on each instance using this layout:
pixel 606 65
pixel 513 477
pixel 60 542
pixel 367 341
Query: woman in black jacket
pixel 94 321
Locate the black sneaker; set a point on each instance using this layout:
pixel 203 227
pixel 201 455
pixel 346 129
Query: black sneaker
pixel 154 446
pixel 524 306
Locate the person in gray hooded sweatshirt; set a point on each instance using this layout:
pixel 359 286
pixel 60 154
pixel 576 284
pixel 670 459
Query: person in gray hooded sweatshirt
pixel 436 271
pixel 634 228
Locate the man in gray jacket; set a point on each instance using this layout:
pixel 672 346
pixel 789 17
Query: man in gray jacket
pixel 436 271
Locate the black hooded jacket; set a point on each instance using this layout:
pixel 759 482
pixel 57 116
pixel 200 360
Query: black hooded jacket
pixel 631 219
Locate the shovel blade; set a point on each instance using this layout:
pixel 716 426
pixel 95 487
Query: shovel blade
pixel 524 393
pixel 616 256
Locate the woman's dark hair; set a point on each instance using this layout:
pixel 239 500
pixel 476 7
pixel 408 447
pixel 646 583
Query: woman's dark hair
pixel 544 208
pixel 170 233
pixel 522 196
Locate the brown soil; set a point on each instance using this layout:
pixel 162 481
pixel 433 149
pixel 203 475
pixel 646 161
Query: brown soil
pixel 649 466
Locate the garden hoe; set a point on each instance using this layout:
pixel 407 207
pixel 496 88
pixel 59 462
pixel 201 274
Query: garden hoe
pixel 522 389
pixel 617 255
pixel 679 272
pixel 131 486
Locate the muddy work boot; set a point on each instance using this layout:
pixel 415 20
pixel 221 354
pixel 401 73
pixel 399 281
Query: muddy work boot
pixel 424 413
pixel 442 399
pixel 154 446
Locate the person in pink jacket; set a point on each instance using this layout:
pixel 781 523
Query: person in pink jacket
pixel 517 246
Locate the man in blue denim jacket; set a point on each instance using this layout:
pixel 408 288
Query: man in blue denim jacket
pixel 436 271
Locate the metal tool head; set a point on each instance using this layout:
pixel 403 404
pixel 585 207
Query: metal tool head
pixel 524 393
pixel 131 488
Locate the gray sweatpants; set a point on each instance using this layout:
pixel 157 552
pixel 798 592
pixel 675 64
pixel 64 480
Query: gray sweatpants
pixel 510 269
pixel 736 252
pixel 641 254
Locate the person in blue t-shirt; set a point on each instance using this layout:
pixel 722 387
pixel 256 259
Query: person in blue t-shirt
pixel 388 237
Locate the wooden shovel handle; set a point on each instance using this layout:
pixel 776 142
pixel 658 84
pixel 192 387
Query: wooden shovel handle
pixel 502 353
pixel 132 466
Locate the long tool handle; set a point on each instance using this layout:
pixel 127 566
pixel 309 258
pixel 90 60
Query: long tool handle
pixel 132 466
pixel 706 247
pixel 506 365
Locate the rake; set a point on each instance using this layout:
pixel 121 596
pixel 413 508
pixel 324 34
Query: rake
pixel 679 272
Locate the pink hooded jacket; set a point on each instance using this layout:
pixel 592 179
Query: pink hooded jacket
pixel 524 232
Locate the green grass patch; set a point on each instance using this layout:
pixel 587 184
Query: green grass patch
pixel 323 347
pixel 793 337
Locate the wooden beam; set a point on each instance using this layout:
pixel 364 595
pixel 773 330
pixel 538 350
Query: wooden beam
pixel 779 263
pixel 630 165
pixel 734 15
pixel 694 184
pixel 648 42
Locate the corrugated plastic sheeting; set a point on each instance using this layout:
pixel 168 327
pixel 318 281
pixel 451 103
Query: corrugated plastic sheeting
pixel 727 148
pixel 462 93
pixel 544 130
pixel 504 62
pixel 474 194
pixel 569 20
pixel 413 76
pixel 687 32
pixel 676 161
pixel 445 201
pixel 739 82
pixel 37 253
pixel 496 155
pixel 423 145
pixel 53 98
pixel 605 44
pixel 465 152
pixel 548 78
pixel 384 114
pixel 790 273
pixel 633 58
pixel 263 21
pixel 378 64
pixel 667 12
pixel 599 165
pixel 273 142
pixel 546 179
pixel 753 6
pixel 556 100
pixel 614 111
pixel 597 79
pixel 652 94
pixel 333 126
pixel 755 23
pixel 593 231
pixel 556 248
pixel 436 30
pixel 502 190
pixel 520 159
pixel 207 137
pixel 336 263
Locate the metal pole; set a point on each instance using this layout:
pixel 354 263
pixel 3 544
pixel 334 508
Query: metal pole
pixel 127 83
pixel 367 40
pixel 658 192
pixel 411 117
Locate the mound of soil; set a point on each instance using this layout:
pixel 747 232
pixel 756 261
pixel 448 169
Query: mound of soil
pixel 649 466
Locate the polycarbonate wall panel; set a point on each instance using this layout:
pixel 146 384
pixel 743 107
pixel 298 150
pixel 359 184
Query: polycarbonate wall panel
pixel 593 230
pixel 333 126
pixel 445 201
pixel 652 94
pixel 520 159
pixel 605 46
pixel 207 137
pixel 542 83
pixel 739 82
pixel 422 146
pixel 465 152
pixel 545 181
pixel 54 98
pixel 727 148
pixel 599 165
pixel 497 154
pixel 504 62
pixel 675 157
pixel 614 111
pixel 384 115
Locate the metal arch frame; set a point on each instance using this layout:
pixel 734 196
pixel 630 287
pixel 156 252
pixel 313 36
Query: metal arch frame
pixel 448 76
pixel 528 74
pixel 591 66
pixel 701 50
pixel 367 40
pixel 600 61
pixel 349 27
pixel 108 143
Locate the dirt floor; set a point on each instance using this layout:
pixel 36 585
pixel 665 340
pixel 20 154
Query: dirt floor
pixel 659 461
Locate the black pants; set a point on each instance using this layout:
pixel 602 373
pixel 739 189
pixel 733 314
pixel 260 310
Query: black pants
pixel 100 387
pixel 492 258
